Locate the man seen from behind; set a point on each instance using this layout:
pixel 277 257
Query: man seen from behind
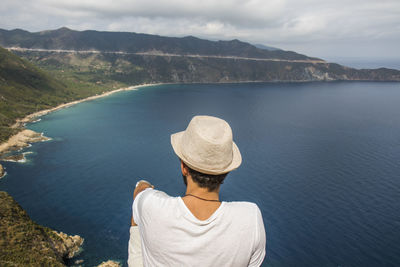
pixel 197 229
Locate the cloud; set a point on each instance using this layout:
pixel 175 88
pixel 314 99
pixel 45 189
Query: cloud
pixel 253 13
pixel 300 25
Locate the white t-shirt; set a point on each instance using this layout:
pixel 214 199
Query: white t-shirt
pixel 233 235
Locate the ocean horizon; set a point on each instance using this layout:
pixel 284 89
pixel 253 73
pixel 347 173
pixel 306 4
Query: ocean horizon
pixel 367 63
pixel 320 159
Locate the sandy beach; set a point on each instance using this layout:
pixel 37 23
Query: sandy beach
pixel 23 138
pixel 34 116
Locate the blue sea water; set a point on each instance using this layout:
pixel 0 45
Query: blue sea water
pixel 320 159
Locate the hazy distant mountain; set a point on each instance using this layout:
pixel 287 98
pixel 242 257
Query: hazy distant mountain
pixel 266 47
pixel 65 38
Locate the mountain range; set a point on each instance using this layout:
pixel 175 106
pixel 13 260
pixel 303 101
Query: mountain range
pixel 134 58
pixel 67 39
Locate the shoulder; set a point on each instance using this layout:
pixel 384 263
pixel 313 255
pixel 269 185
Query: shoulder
pixel 151 194
pixel 247 218
pixel 242 206
pixel 154 205
pixel 243 210
pixel 151 199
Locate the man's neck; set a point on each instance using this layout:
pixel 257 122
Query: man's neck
pixel 193 189
pixel 198 206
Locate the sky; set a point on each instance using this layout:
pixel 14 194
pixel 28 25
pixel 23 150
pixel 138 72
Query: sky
pixel 329 29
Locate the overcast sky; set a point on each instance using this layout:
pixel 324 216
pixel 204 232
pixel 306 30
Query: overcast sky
pixel 324 28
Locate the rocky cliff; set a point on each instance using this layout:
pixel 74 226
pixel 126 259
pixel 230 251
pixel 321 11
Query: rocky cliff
pixel 25 243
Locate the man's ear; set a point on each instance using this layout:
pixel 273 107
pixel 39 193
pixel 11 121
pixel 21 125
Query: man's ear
pixel 184 169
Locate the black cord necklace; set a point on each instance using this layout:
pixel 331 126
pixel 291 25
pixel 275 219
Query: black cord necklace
pixel 214 200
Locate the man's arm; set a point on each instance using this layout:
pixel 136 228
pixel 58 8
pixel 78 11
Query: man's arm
pixel 260 242
pixel 134 247
pixel 140 186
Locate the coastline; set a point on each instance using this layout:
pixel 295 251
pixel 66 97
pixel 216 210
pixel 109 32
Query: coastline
pixel 19 141
pixel 34 116
pixel 65 246
pixel 24 137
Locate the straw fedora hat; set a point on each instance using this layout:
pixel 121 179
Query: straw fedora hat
pixel 207 146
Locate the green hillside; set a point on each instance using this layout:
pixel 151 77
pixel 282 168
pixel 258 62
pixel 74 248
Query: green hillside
pixel 25 88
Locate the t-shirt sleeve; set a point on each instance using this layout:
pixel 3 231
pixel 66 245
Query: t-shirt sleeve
pixel 138 203
pixel 134 248
pixel 259 241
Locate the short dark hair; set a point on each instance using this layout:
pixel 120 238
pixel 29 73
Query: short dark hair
pixel 209 181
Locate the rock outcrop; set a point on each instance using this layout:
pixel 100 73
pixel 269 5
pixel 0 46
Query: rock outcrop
pixel 2 171
pixel 25 243
pixel 70 245
pixel 15 158
pixel 20 141
pixel 109 263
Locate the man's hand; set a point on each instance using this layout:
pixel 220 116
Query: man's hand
pixel 140 186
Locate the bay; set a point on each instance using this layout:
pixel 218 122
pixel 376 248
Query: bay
pixel 320 159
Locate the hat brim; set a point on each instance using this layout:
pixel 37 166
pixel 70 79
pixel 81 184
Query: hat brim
pixel 176 141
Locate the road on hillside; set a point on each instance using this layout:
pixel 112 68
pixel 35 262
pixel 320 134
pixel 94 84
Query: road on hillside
pixel 162 54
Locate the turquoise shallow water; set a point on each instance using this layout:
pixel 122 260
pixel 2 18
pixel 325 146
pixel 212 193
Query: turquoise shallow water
pixel 320 159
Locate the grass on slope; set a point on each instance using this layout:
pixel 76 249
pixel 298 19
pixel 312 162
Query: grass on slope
pixel 22 241
pixel 25 88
